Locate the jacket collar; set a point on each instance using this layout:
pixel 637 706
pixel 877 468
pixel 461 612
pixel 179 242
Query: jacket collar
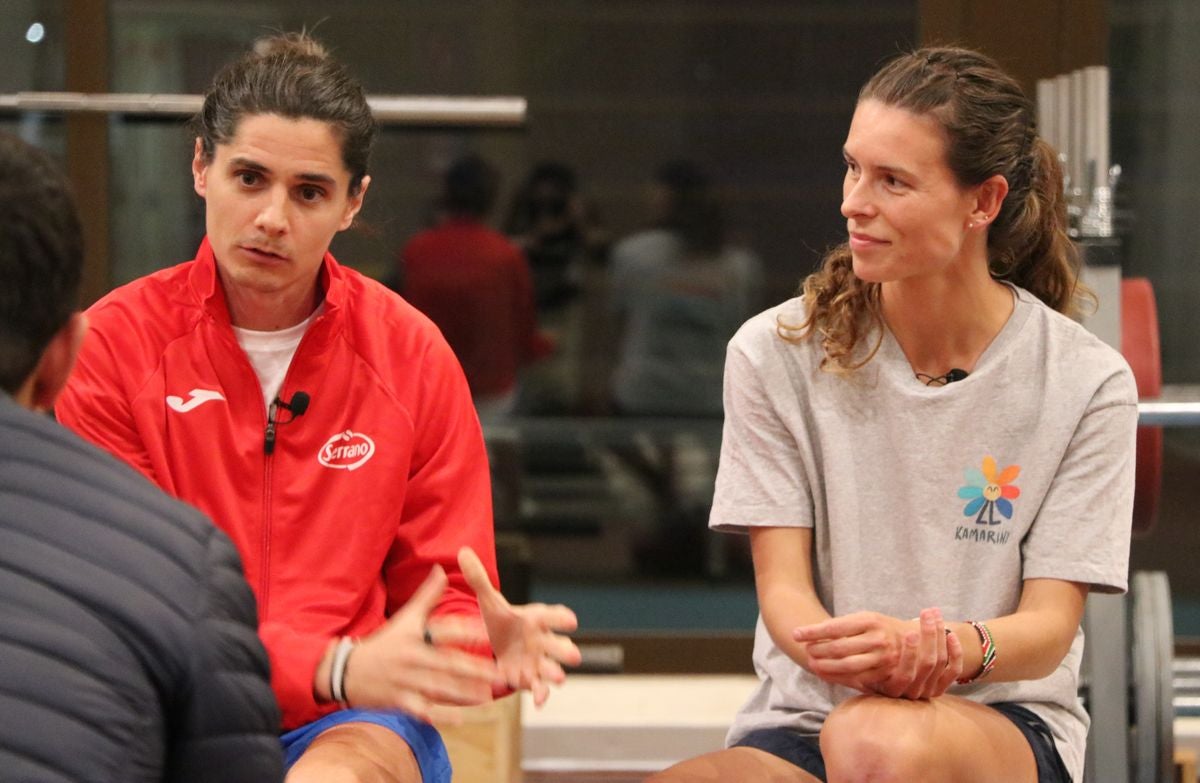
pixel 205 285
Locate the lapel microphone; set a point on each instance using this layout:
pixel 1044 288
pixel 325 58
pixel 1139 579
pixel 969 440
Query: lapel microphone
pixel 296 406
pixel 952 375
pixel 300 400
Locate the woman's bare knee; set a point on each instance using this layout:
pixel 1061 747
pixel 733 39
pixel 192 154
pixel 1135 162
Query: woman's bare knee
pixel 944 739
pixel 877 739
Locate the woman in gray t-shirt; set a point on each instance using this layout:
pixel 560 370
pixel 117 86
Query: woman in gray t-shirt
pixel 933 462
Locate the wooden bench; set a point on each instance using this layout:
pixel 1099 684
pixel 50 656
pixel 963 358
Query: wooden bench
pixel 485 747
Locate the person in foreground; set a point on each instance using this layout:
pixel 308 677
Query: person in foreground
pixel 325 425
pixel 127 643
pixel 934 463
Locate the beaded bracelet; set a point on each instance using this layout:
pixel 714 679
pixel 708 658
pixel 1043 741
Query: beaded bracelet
pixel 988 646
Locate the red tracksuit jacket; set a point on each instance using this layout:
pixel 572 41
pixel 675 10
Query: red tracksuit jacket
pixel 383 476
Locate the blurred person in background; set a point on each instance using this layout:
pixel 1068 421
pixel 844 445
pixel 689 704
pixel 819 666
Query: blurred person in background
pixel 560 234
pixel 475 285
pixel 679 290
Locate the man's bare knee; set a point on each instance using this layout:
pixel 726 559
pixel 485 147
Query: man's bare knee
pixel 356 753
pixel 746 764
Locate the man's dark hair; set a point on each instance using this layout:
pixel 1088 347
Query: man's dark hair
pixel 293 76
pixel 41 257
pixel 470 187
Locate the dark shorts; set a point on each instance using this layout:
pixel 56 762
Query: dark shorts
pixel 426 743
pixel 804 750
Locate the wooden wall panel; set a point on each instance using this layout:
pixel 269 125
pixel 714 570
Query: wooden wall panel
pixel 87 139
pixel 1032 39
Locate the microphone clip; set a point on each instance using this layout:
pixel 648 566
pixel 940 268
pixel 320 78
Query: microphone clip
pixel 296 407
pixel 950 376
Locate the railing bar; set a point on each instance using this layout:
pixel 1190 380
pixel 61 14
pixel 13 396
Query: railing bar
pixel 1169 414
pixel 491 111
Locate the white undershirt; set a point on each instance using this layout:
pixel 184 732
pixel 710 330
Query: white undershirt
pixel 271 353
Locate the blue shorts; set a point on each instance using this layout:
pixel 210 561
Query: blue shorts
pixel 426 743
pixel 804 750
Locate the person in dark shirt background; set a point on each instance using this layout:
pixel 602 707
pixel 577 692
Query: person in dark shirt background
pixel 567 248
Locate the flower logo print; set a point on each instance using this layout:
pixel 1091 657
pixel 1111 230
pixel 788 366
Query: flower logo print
pixel 988 491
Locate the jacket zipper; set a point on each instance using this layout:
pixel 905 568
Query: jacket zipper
pixel 268 464
pixel 264 576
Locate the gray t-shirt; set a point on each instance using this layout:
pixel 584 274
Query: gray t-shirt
pixel 893 476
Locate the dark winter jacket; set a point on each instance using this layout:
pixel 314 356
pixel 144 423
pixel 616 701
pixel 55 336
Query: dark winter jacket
pixel 128 649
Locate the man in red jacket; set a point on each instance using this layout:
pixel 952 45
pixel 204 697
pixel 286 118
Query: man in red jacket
pixel 325 425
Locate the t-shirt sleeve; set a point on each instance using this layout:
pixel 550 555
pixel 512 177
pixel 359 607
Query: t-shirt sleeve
pixel 761 480
pixel 1082 530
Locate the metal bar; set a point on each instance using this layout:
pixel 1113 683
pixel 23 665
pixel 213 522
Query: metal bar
pixel 601 429
pixel 619 429
pixel 1169 414
pixel 1106 673
pixel 415 110
pixel 615 428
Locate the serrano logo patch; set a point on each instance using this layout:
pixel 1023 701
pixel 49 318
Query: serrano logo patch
pixel 346 451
